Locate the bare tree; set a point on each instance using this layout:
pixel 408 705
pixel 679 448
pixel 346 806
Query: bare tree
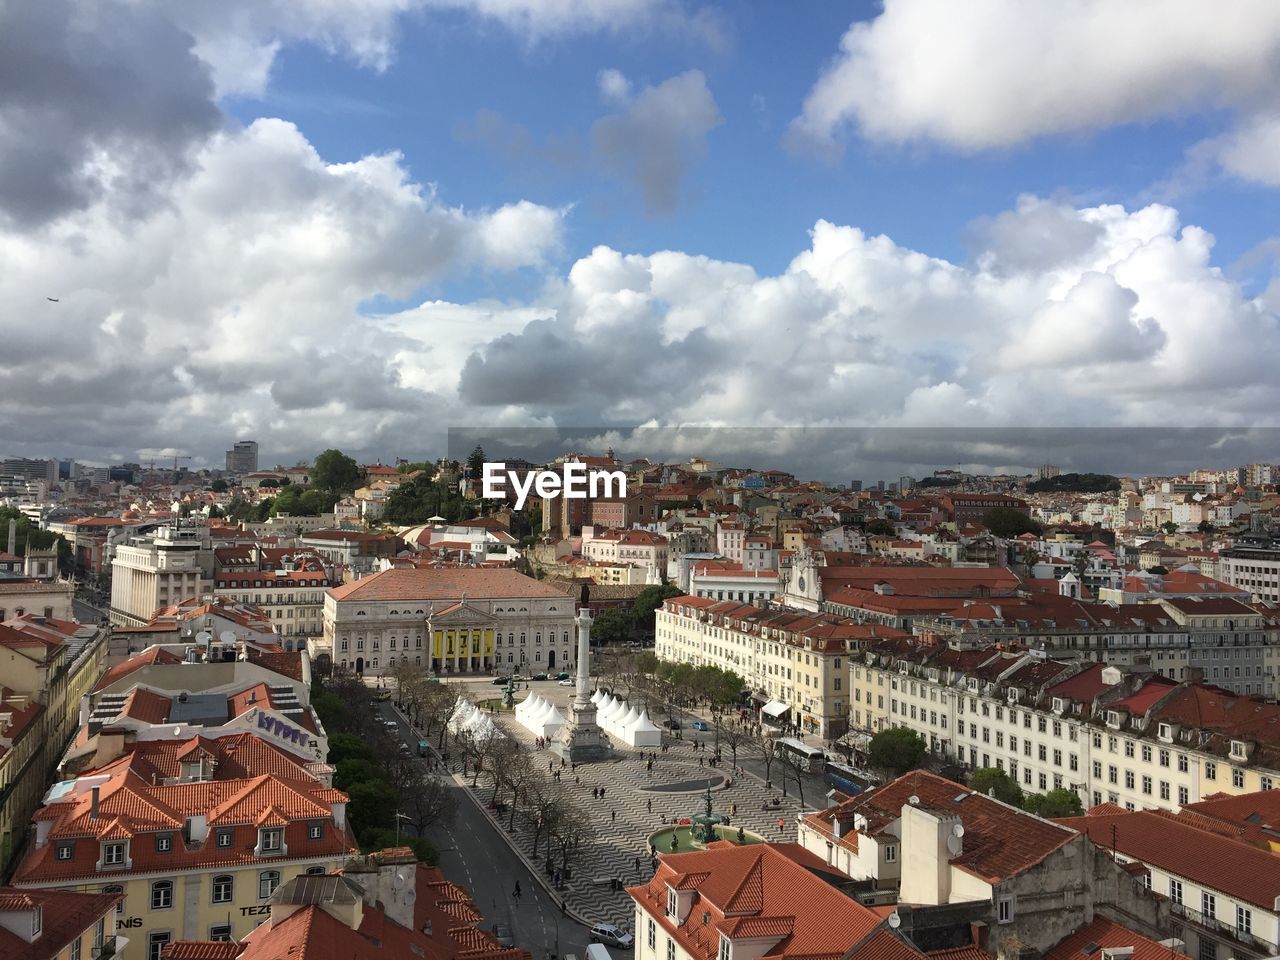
pixel 732 736
pixel 428 801
pixel 571 830
pixel 544 811
pixel 760 745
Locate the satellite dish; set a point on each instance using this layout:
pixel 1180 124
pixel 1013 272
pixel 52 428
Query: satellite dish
pixel 913 800
pixel 958 830
pixel 895 921
pixel 204 636
pixel 399 880
pixel 227 636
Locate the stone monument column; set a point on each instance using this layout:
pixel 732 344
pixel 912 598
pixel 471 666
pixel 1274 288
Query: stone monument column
pixel 581 740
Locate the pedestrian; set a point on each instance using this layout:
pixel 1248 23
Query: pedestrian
pixel 564 906
pixel 781 824
pixel 516 893
pixel 549 766
pixel 577 781
pixel 613 816
pixel 651 804
pixel 602 793
pixel 636 864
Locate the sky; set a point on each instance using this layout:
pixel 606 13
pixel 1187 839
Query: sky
pixel 360 223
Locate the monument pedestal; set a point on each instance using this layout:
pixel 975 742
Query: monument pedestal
pixel 581 740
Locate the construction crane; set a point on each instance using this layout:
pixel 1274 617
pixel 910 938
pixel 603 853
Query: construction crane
pixel 176 458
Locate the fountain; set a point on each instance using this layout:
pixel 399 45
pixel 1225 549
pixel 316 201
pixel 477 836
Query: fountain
pixel 704 830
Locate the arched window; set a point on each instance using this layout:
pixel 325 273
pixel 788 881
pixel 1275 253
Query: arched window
pixel 268 880
pixel 115 890
pixel 223 888
pixel 162 895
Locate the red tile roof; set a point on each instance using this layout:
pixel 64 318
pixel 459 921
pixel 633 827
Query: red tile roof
pixel 65 916
pixel 999 841
pixel 760 890
pixel 1163 840
pixel 429 583
pixel 1106 934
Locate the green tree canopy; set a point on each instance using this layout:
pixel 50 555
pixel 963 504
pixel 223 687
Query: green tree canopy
pixel 422 498
pixel 1007 522
pixel 27 533
pixel 413 467
pixel 218 486
pixel 335 473
pixel 896 750
pixel 880 527
pixel 644 608
pixel 1055 803
pixel 1075 483
pixel 614 625
pixel 475 462
pixel 997 783
pixel 296 501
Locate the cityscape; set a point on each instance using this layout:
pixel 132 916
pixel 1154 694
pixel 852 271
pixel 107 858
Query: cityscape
pixel 639 480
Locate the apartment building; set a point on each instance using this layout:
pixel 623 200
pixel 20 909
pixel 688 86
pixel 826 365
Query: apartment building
pixel 193 836
pixel 27 596
pixel 447 620
pixel 725 580
pixel 927 843
pixel 1124 736
pixel 1252 568
pixel 637 548
pixel 287 585
pixel 1222 889
pixel 796 662
pixel 56 925
pixel 381 906
pixel 242 458
pixel 158 569
pixel 46 667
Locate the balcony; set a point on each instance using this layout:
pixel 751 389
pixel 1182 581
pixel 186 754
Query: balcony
pixel 1223 929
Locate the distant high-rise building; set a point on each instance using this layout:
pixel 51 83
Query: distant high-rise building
pixel 879 484
pixel 1257 474
pixel 1049 470
pixel 46 470
pixel 242 458
pixel 855 486
pixel 906 483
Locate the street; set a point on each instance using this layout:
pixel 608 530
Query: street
pixel 473 852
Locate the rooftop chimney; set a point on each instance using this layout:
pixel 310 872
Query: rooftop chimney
pixel 93 805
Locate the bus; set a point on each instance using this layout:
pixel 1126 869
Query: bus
pixel 842 777
pixel 801 754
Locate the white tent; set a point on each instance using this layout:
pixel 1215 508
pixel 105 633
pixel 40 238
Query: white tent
pixel 552 722
pixel 624 721
pixel 597 696
pixel 641 732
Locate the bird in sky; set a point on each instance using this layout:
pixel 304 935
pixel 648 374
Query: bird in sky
pixel 52 299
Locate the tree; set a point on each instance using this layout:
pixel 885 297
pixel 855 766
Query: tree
pixel 879 527
pixel 218 486
pixel 475 462
pixel 415 467
pixel 896 750
pixel 1206 526
pixel 346 746
pixel 1169 527
pixel 270 483
pixel 335 473
pixel 997 783
pixel 644 609
pixel 372 804
pixel 426 801
pixel 1008 523
pixel 1056 803
pixel 423 498
pixel 612 626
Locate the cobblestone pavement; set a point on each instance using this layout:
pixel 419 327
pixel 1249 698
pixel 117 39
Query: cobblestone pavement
pixel 622 843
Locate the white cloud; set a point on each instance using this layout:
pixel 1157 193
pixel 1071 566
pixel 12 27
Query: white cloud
pixel 614 86
pixel 998 72
pixel 240 38
pixel 1126 323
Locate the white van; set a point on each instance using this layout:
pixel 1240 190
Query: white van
pixel 598 951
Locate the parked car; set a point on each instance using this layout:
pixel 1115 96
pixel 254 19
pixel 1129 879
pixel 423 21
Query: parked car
pixel 700 725
pixel 608 933
pixel 502 933
pixel 566 682
pixel 390 724
pixel 671 723
pixel 563 675
pixel 538 676
pixel 500 681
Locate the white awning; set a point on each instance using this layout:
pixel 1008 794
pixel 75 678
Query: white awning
pixel 775 708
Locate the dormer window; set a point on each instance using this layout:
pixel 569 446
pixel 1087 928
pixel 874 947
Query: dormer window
pixel 1165 732
pixel 66 851
pixel 270 842
pixel 37 922
pixel 724 947
pixel 164 842
pixel 1239 750
pixel 1059 705
pixel 673 903
pixel 224 838
pixel 115 853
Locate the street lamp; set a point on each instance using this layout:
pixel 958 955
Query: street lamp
pixel 400 816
